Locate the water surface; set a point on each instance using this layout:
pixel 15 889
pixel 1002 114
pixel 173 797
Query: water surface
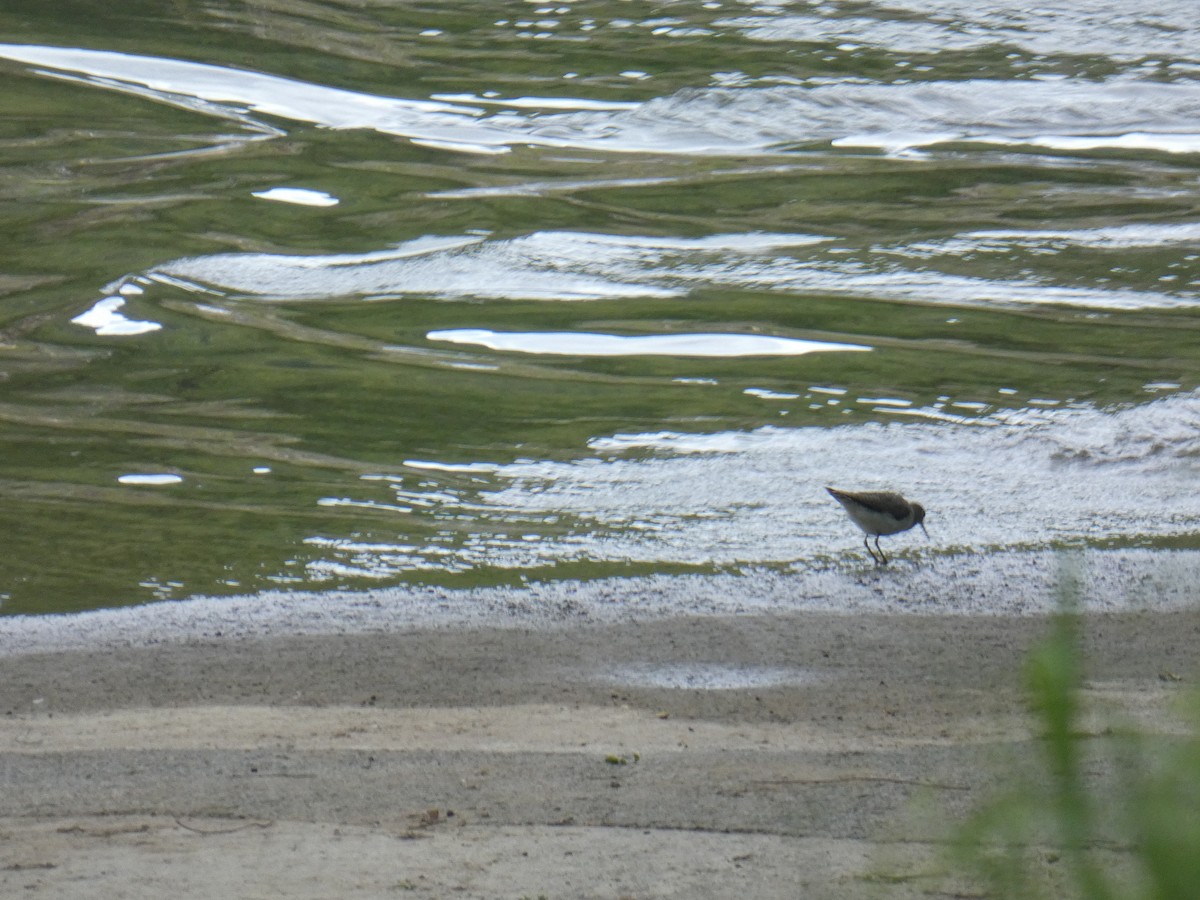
pixel 333 296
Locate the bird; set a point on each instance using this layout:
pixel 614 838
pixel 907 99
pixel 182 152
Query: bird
pixel 878 513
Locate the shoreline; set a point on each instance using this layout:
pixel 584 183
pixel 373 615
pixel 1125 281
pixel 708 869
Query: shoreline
pixel 1029 583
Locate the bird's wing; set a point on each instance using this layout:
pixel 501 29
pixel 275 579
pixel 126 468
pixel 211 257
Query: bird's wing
pixel 887 502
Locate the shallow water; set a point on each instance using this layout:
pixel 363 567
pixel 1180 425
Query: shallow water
pixel 339 295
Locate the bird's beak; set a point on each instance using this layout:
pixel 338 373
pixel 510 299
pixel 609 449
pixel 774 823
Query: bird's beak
pixel 922 524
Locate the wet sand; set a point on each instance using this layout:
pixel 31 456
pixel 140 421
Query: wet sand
pixel 767 754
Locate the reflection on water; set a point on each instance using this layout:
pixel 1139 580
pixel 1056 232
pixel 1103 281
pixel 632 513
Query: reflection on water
pixel 577 343
pixel 299 196
pixel 569 292
pixel 579 266
pixel 920 26
pixel 150 479
pixel 555 266
pixel 106 318
pixel 1053 113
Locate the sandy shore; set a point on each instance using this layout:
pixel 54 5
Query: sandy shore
pixel 769 754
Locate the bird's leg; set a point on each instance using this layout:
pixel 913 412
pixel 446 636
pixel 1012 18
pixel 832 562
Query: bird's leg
pixel 867 544
pixel 882 559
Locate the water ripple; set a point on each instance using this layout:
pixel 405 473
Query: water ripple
pixel 1059 114
pixel 583 266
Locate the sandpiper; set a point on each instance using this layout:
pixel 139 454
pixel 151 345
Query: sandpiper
pixel 878 513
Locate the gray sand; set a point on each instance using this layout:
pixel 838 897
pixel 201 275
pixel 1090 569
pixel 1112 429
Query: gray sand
pixel 538 749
